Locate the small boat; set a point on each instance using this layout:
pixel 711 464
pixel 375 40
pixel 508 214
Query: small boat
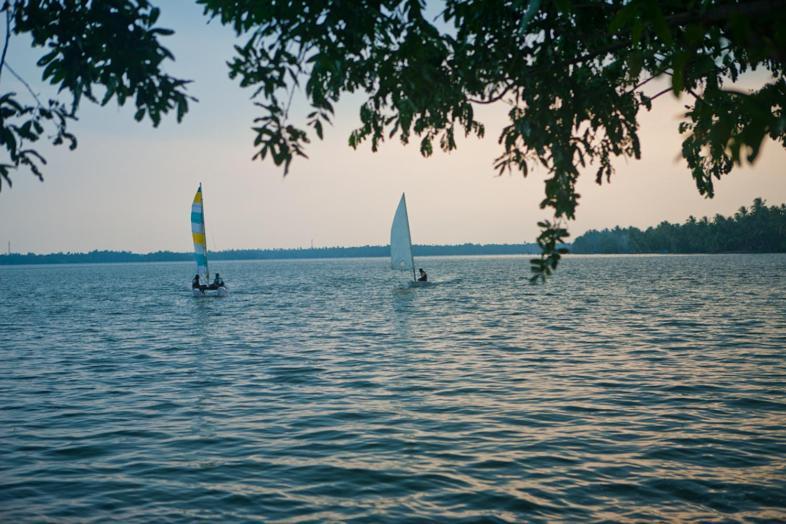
pixel 199 287
pixel 401 257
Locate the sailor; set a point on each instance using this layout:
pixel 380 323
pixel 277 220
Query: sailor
pixel 195 282
pixel 423 276
pixel 217 282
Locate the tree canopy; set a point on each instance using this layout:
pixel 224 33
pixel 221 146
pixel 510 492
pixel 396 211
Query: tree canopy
pixel 575 76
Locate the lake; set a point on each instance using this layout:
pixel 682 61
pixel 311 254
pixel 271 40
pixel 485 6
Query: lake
pixel 636 388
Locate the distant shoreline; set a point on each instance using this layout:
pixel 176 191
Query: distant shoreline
pixel 103 257
pixel 121 257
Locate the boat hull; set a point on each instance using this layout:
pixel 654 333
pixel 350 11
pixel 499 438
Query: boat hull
pixel 220 292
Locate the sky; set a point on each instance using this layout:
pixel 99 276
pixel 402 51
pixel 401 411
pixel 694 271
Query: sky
pixel 129 186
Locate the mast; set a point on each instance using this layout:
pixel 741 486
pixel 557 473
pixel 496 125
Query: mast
pixel 409 234
pixel 204 230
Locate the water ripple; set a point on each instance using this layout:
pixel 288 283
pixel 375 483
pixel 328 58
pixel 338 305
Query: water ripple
pixel 628 389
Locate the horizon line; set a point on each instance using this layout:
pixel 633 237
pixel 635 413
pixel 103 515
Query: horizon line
pixel 270 249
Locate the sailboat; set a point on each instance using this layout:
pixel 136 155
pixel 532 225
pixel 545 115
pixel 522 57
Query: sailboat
pixel 401 241
pixel 202 286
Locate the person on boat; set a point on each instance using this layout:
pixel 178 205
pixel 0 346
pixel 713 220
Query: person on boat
pixel 217 282
pixel 195 282
pixel 423 276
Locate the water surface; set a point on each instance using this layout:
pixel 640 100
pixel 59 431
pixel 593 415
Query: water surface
pixel 627 389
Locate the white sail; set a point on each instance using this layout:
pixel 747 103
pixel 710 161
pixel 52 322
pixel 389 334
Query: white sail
pixel 401 241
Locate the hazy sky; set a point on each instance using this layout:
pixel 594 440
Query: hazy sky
pixel 130 186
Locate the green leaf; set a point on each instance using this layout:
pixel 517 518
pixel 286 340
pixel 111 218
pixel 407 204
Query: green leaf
pixel 678 72
pixel 659 22
pixel 621 19
pixel 634 61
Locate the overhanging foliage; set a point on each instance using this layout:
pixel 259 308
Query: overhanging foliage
pixel 575 76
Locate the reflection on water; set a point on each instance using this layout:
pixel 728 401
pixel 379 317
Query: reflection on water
pixel 627 389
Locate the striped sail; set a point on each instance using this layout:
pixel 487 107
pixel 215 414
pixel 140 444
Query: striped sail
pixel 198 232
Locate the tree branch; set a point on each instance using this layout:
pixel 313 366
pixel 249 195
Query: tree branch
pixel 495 98
pixel 656 95
pixel 644 82
pixel 594 54
pixel 7 39
pixel 724 12
pixel 30 89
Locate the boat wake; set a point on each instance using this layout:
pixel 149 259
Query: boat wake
pixel 429 284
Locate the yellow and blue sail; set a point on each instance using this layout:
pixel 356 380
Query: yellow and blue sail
pixel 198 233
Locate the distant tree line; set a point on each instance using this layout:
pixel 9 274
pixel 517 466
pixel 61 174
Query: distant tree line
pixel 758 229
pixel 98 257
